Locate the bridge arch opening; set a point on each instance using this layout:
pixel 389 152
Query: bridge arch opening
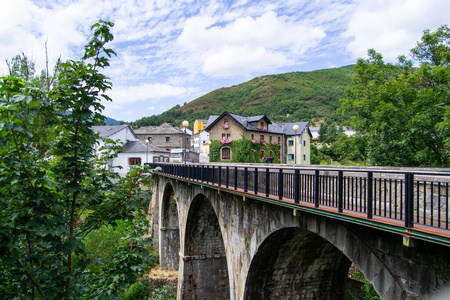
pixel 205 264
pixel 294 263
pixel 169 231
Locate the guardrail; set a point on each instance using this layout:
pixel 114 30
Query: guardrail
pixel 412 197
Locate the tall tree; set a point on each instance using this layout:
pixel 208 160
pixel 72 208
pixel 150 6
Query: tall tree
pixel 49 204
pixel 402 111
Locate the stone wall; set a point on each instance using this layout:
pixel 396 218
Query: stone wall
pixel 257 250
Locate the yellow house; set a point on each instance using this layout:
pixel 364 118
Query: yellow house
pixel 199 125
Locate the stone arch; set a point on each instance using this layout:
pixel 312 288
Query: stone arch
pixel 205 265
pixel 294 263
pixel 169 231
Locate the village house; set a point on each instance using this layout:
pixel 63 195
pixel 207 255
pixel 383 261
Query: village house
pixel 164 136
pixel 134 151
pixel 294 144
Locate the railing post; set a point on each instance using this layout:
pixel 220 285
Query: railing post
pixel 256 181
pixel 245 179
pixel 267 182
pixel 213 175
pixel 340 191
pixel 409 199
pixel 280 184
pixel 296 186
pixel 201 173
pixel 220 176
pixel 235 177
pixel 369 195
pixel 316 188
pixel 227 177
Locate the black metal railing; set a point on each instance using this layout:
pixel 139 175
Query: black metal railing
pixel 412 197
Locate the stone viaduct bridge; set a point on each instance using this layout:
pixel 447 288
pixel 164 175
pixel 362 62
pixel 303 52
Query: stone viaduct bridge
pixel 259 232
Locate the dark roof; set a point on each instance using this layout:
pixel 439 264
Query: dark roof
pixel 139 147
pixel 108 130
pixel 163 129
pixel 249 123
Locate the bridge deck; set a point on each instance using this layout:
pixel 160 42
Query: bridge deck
pixel 413 204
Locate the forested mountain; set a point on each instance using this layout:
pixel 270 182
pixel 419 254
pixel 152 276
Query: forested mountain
pixel 296 96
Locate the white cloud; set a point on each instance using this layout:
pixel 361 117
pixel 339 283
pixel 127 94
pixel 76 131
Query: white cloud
pixel 392 27
pixel 145 92
pixel 248 44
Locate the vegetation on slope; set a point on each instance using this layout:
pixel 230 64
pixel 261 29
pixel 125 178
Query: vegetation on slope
pixel 289 97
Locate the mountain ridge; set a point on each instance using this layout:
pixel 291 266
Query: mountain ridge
pixel 294 96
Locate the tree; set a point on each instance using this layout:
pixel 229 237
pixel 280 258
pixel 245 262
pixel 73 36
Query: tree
pixel 402 111
pixel 48 204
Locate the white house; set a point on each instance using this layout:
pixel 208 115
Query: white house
pixel 201 144
pixel 135 152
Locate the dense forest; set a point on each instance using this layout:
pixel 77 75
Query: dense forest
pixel 296 96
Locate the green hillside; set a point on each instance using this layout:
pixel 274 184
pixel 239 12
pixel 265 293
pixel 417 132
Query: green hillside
pixel 297 96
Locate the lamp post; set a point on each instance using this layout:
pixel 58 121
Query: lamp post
pixel 146 146
pixel 295 127
pixel 185 125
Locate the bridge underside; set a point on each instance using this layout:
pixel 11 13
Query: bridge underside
pixel 205 268
pixel 297 264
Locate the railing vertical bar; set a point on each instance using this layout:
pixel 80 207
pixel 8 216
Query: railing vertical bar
pixel 280 184
pixel 245 179
pixel 220 176
pixel 256 181
pixel 431 203
pixel 418 201
pixel 424 202
pixel 296 186
pixel 369 194
pixel 267 182
pixel 341 191
pixel 316 189
pixel 446 206
pixel 385 196
pixel 227 177
pixel 439 204
pixel 235 178
pixel 409 200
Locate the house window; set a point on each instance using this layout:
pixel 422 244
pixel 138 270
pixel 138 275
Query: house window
pixel 224 136
pixel 304 143
pixel 226 153
pixel 261 154
pixel 291 156
pixel 291 143
pixel 134 161
pixel 225 124
pixel 262 124
pixel 261 137
pixel 149 138
pixel 279 140
pixel 253 137
pixel 228 135
pixel 167 139
pixel 304 157
pixel 270 139
pixel 279 155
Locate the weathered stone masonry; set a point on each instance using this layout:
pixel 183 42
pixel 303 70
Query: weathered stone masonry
pixel 235 248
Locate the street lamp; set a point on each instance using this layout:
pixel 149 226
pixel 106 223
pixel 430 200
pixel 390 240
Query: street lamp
pixel 146 146
pixel 295 127
pixel 185 125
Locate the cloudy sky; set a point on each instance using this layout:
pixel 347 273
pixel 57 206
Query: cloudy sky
pixel 173 51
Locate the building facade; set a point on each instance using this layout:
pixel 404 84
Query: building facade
pixel 260 130
pixel 165 136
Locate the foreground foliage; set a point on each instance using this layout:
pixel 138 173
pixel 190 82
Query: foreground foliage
pixel 403 112
pixel 50 203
